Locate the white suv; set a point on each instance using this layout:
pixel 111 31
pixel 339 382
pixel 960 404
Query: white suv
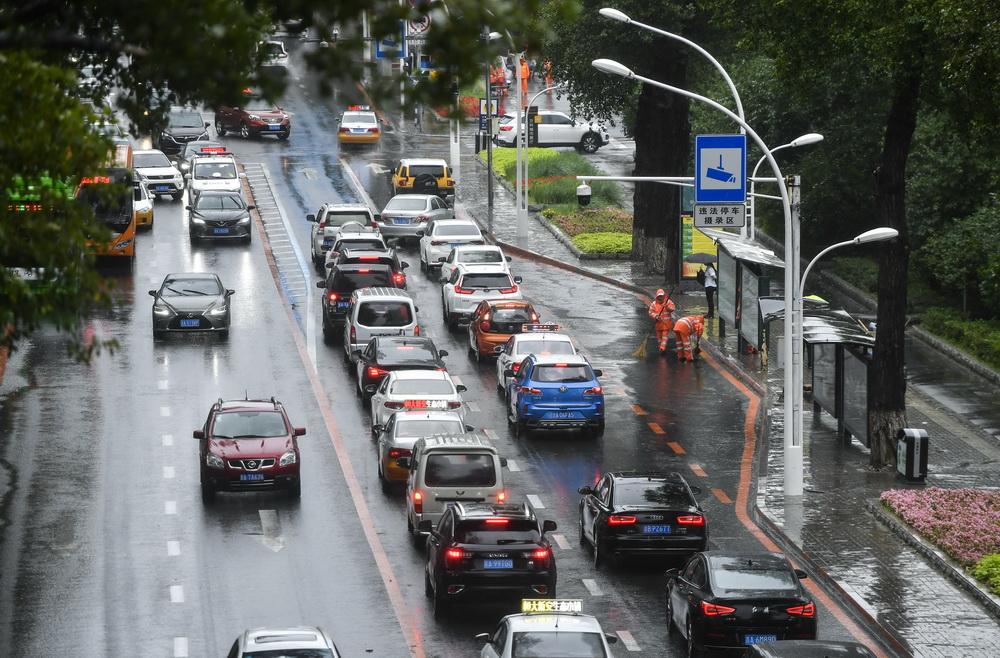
pixel 443 235
pixel 213 172
pixel 471 284
pixel 557 129
pixel 329 219
pixel 157 173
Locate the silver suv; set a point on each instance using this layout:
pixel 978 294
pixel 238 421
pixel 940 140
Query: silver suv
pixel 327 222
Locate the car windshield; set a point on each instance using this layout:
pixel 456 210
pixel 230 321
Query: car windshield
pixel 480 256
pixel 514 531
pixel 385 314
pixel 544 347
pixel 341 218
pixel 290 653
pixel 403 352
pixel 273 48
pixel 456 229
pixel 214 170
pixel 190 287
pixel 422 387
pixel 359 117
pixel 437 171
pixel 508 315
pixel 564 374
pixel 505 119
pixel 350 281
pixel 248 424
pixel 565 644
pixel 666 494
pixel 219 202
pixel 498 280
pixel 404 203
pixel 143 160
pixel 750 574
pixel 428 427
pixel 460 470
pixel 186 120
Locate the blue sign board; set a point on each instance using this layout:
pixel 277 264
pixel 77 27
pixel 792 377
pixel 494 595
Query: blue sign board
pixel 393 46
pixel 720 174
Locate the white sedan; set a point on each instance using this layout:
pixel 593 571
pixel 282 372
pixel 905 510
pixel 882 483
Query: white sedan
pixel 415 390
pixel 556 629
pixel 471 284
pixel 537 339
pixel 443 235
pixel 486 254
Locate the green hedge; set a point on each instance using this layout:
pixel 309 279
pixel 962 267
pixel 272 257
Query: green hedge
pixel 981 338
pixel 987 570
pixel 574 220
pixel 603 243
pixel 553 176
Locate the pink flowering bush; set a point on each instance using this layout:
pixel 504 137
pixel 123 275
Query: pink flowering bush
pixel 964 523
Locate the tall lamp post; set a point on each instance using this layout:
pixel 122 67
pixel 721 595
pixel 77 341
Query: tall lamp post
pixel 522 166
pixel 792 448
pixel 490 36
pixel 802 140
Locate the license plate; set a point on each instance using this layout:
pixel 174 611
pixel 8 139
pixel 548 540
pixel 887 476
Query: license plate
pixel 755 639
pixel 327 243
pixel 251 477
pixel 191 323
pixel 562 415
pixel 344 303
pixel 456 244
pixel 656 530
pixel 498 564
pixel 400 220
pixel 359 130
pixel 274 126
pixel 220 231
pixel 161 188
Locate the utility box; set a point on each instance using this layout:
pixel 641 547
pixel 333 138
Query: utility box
pixel 911 454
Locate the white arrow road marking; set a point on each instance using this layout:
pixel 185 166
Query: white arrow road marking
pixel 376 168
pixel 592 587
pixel 628 641
pixel 535 501
pixel 271 530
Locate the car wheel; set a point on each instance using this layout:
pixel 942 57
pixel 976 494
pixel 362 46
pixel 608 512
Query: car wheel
pixel 598 553
pixel 385 484
pixel 157 335
pixel 224 334
pixel 692 650
pixel 295 491
pixel 328 334
pixel 175 197
pixel 207 493
pixel 590 143
pixel 428 589
pixel 597 431
pixel 244 130
pixel 284 136
pixel 670 614
pixel 583 536
pixel 219 128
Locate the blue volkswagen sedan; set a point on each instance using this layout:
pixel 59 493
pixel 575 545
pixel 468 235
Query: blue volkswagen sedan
pixel 555 392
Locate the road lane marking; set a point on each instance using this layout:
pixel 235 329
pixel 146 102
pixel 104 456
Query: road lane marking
pixel 177 594
pixel 163 384
pixel 180 647
pixel 492 436
pixel 457 380
pixel 356 183
pixel 170 507
pixel 628 641
pixel 535 501
pixel 168 473
pixel 698 470
pixel 722 496
pixel 561 541
pixel 676 447
pixel 473 407
pixel 165 411
pixel 592 587
pixel 639 411
pixel 512 465
pixel 271 535
pixel 656 428
pixel 173 548
pixel 167 440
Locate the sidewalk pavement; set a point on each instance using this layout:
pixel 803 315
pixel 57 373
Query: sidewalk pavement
pixel 924 611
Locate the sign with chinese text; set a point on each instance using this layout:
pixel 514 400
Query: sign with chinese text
pixel 713 215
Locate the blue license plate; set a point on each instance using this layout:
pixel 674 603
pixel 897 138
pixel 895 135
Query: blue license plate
pixel 656 530
pixel 359 130
pixel 251 477
pixel 498 564
pixel 562 415
pixel 344 303
pixel 274 126
pixel 186 324
pixel 220 231
pixel 327 243
pixel 161 188
pixel 749 640
pixel 400 220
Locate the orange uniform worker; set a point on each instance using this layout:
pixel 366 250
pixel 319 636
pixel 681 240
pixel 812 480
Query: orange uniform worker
pixel 660 310
pixel 525 74
pixel 683 330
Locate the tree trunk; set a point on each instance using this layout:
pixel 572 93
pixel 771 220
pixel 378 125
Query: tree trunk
pixel 662 148
pixel 887 377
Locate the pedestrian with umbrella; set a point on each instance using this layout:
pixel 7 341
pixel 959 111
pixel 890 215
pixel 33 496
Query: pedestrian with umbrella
pixel 708 277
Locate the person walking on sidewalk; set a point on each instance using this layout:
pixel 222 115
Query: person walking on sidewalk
pixel 683 330
pixel 660 310
pixel 711 284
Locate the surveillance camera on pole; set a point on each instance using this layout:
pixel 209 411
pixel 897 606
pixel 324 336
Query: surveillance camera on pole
pixel 583 194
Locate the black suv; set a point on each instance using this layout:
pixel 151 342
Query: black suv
pixel 388 257
pixel 386 353
pixel 183 126
pixel 492 551
pixel 343 280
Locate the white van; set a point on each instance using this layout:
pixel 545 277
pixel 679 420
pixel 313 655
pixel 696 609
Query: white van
pixel 378 312
pixel 451 469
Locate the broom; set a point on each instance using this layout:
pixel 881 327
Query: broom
pixel 640 352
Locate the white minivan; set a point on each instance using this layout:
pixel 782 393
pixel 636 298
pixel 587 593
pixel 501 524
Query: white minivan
pixel 378 312
pixel 450 469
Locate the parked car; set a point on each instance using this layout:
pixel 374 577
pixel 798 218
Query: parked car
pixel 556 129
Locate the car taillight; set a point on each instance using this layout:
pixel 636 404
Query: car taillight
pixel 454 405
pixel 344 130
pixel 354 335
pixel 540 554
pixel 416 330
pixel 393 404
pixel 463 291
pixel 515 367
pixel 437 243
pixel 376 372
pixel 692 519
pixel 424 218
pixel 621 519
pixel 418 502
pixel 506 129
pixel 508 291
pixel 807 610
pixel 597 390
pixel 399 452
pixel 497 521
pixel 501 496
pixel 373 130
pixel 399 278
pixel 534 317
pixel 714 609
pixel 527 390
pixel 454 555
pixel 331 296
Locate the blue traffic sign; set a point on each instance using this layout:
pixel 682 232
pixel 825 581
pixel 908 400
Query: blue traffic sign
pixel 392 46
pixel 720 169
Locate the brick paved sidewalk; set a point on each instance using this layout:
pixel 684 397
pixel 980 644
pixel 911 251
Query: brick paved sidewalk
pixel 922 608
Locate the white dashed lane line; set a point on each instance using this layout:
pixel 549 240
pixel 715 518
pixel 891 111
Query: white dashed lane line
pixel 168 473
pixel 473 407
pixel 167 439
pixel 180 647
pixel 165 411
pixel 170 507
pixel 177 594
pixel 173 548
pixel 163 384
pixel 628 640
pixel 592 587
pixel 535 501
pixel 511 464
pixel 561 541
pixel 492 436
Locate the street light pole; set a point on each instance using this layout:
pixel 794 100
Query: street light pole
pixel 802 140
pixel 522 202
pixel 526 157
pixel 792 449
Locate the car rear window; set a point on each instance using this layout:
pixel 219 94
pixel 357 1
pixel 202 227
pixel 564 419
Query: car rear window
pixel 486 281
pixel 749 574
pixel 359 117
pixel 456 229
pixel 350 281
pixel 515 531
pixel 404 352
pixel 404 203
pixel 248 424
pixel 385 314
pixel 214 170
pixel 460 470
pixel 422 387
pixel 565 644
pixel 507 315
pixel 545 347
pixel 290 653
pixel 480 256
pixel 341 218
pixel 142 160
pixel 437 171
pixel 428 427
pixel 359 244
pixel 563 374
pixel 667 494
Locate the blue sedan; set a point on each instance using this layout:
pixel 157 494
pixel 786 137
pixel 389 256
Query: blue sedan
pixel 555 392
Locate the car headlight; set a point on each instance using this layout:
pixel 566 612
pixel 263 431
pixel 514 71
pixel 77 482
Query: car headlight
pixel 253 117
pixel 161 310
pixel 218 310
pixel 195 220
pixel 288 458
pixel 245 220
pixel 214 461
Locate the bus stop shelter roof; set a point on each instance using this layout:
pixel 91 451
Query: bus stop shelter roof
pixel 743 249
pixel 821 324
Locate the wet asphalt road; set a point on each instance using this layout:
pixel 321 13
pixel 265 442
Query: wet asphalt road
pixel 106 546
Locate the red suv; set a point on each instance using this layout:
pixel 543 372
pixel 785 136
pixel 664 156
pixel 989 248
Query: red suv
pixel 248 445
pixel 255 119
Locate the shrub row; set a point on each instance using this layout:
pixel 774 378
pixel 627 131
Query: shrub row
pixel 981 338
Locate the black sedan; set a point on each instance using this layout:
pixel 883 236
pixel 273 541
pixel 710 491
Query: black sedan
pixel 191 301
pixel 641 514
pixel 723 600
pixel 386 353
pixel 219 214
pixel 372 257
pixel 810 649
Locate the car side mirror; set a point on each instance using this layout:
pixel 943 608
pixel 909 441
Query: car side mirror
pixel 800 574
pixel 378 429
pixel 518 279
pixel 310 218
pixel 187 176
pixel 498 349
pixel 208 125
pixel 329 264
pixel 461 388
pixel 426 526
pixel 299 431
pixel 420 234
pixel 198 434
pixel 508 258
pixel 503 462
pixel 152 293
pixel 450 200
pixel 548 525
pixel 404 265
pixel 598 372
pixel 188 208
pixel 469 428
pixel 230 293
pixel 251 207
pixel 403 462
pixel 184 166
pixel 442 352
pixel 484 637
pixel 585 491
pixel 612 639
pixel 321 284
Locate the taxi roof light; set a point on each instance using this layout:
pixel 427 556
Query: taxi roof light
pixel 538 328
pixel 497 521
pixel 551 605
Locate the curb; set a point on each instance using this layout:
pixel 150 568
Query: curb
pixel 941 562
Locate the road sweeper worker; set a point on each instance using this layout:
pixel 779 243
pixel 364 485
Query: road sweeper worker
pixel 684 329
pixel 660 310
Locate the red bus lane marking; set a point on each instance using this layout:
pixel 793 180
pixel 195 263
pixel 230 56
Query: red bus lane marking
pixel 656 428
pixel 639 411
pixel 698 470
pixel 406 621
pixel 743 494
pixel 676 447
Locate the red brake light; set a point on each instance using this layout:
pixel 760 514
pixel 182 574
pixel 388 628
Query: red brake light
pixel 331 296
pixel 506 128
pixel 399 278
pixel 693 519
pixel 418 502
pixel 485 325
pixel 368 258
pixel 501 496
pixel 527 390
pixel 597 390
pixel 463 291
pixel 497 521
pixel 534 317
pixel 376 372
pixel 714 610
pixel 424 218
pixel 515 367
pixel 454 553
pixel 416 330
pixel 562 365
pixel 540 554
pixel 373 130
pixel 454 405
pixel 344 130
pixel 364 270
pixel 354 335
pixel 807 610
pixel 508 291
pixel 399 452
pixel 621 519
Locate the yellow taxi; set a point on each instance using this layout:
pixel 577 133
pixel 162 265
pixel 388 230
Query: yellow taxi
pixel 358 125
pixel 423 176
pixel 142 206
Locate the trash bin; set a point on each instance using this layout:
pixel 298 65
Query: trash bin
pixel 911 454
